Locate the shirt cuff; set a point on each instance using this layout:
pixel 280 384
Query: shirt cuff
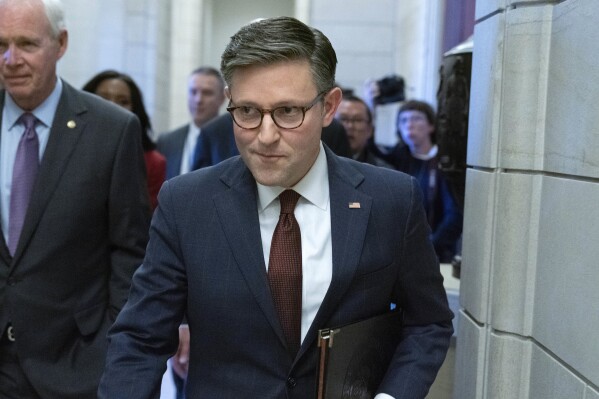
pixel 383 396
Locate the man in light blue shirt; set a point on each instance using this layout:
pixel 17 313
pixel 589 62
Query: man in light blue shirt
pixel 74 215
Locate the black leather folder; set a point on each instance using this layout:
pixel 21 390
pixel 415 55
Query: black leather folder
pixel 354 358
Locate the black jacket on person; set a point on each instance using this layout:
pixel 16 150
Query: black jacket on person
pixel 443 213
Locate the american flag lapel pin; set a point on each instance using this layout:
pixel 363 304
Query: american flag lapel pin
pixel 354 205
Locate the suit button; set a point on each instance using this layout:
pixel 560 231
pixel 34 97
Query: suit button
pixel 291 383
pixel 12 281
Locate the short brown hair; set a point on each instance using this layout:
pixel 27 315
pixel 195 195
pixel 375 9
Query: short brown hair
pixel 272 40
pixel 420 106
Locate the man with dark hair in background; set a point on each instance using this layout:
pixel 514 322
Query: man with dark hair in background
pixel 356 118
pixel 205 95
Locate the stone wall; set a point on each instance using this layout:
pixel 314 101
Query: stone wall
pixel 529 324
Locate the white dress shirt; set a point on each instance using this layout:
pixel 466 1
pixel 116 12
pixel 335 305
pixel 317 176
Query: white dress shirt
pixel 313 214
pixel 189 148
pixel 10 137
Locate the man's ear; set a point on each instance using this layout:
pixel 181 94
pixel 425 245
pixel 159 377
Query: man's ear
pixel 227 93
pixel 63 42
pixel 331 102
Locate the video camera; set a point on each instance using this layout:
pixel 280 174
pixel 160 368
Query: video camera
pixel 391 89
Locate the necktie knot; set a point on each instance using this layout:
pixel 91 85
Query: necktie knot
pixel 28 120
pixel 288 199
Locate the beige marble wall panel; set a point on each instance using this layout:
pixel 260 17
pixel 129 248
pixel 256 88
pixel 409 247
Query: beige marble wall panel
pixel 486 7
pixel 470 356
pixel 357 39
pixel 363 37
pixel 528 3
pixel 591 393
pixel 514 257
pixel 509 371
pixel 136 29
pixel 485 100
pixel 353 69
pixel 96 32
pixel 185 54
pixel 572 142
pixel 161 87
pixel 141 40
pixel 125 36
pixel 136 5
pixel 549 378
pixel 363 51
pixel 477 243
pixel 354 10
pixel 566 293
pixel 524 87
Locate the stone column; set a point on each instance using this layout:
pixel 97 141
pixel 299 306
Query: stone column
pixel 529 323
pixel 183 54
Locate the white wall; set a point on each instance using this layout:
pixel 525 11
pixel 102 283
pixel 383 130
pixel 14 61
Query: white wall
pixel 159 42
pixel 126 35
pixel 229 15
pixel 381 37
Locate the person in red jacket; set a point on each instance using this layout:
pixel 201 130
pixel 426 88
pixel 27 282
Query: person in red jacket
pixel 121 89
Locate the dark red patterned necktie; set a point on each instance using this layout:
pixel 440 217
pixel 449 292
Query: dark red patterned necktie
pixel 285 270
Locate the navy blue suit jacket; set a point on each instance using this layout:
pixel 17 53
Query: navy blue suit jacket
pixel 171 146
pixel 205 259
pixel 84 235
pixel 216 142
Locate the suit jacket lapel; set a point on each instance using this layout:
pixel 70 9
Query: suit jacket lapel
pixel 238 215
pixel 67 127
pixel 347 247
pixel 4 254
pixel 176 154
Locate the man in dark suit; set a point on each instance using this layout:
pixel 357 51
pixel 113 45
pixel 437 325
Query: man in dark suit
pixel 70 246
pixel 216 255
pixel 355 116
pixel 205 95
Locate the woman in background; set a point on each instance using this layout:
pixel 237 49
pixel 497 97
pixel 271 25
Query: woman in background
pixel 416 155
pixel 120 89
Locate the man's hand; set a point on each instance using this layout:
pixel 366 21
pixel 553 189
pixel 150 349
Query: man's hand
pixel 180 362
pixel 371 91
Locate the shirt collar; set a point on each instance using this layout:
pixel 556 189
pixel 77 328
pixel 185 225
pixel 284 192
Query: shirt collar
pixel 431 154
pixel 44 112
pixel 193 129
pixel 314 186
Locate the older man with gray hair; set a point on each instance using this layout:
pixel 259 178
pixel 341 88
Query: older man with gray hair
pixel 74 212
